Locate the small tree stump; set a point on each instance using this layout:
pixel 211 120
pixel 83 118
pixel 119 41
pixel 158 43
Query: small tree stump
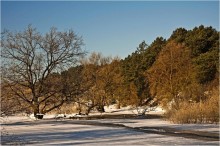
pixel 39 116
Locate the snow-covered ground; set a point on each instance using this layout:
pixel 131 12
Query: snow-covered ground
pixel 50 131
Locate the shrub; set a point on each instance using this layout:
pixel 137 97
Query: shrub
pixel 201 112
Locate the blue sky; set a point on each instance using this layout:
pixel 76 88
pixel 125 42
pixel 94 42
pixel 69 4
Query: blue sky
pixel 113 28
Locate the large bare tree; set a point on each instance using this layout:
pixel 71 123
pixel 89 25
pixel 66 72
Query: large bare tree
pixel 29 60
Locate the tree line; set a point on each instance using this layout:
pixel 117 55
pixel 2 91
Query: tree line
pixel 43 72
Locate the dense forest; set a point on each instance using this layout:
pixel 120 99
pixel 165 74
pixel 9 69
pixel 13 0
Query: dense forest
pixel 180 73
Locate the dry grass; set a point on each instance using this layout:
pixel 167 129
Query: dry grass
pixel 202 112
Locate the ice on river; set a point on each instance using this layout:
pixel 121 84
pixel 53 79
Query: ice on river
pixel 23 130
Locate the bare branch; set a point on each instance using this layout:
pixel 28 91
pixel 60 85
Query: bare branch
pixel 30 58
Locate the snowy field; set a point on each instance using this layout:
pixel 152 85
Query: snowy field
pixel 21 130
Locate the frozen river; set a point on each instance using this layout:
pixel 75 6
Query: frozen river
pixel 76 132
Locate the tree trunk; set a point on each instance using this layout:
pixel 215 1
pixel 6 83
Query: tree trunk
pixel 118 105
pixel 101 109
pixel 79 109
pixel 88 110
pixel 101 106
pixel 36 110
pixel 37 113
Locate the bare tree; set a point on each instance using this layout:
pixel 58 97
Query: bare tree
pixel 28 60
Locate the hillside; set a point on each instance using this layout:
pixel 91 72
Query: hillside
pixel 180 73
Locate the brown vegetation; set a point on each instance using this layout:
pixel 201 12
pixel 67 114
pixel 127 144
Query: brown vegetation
pixel 206 111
